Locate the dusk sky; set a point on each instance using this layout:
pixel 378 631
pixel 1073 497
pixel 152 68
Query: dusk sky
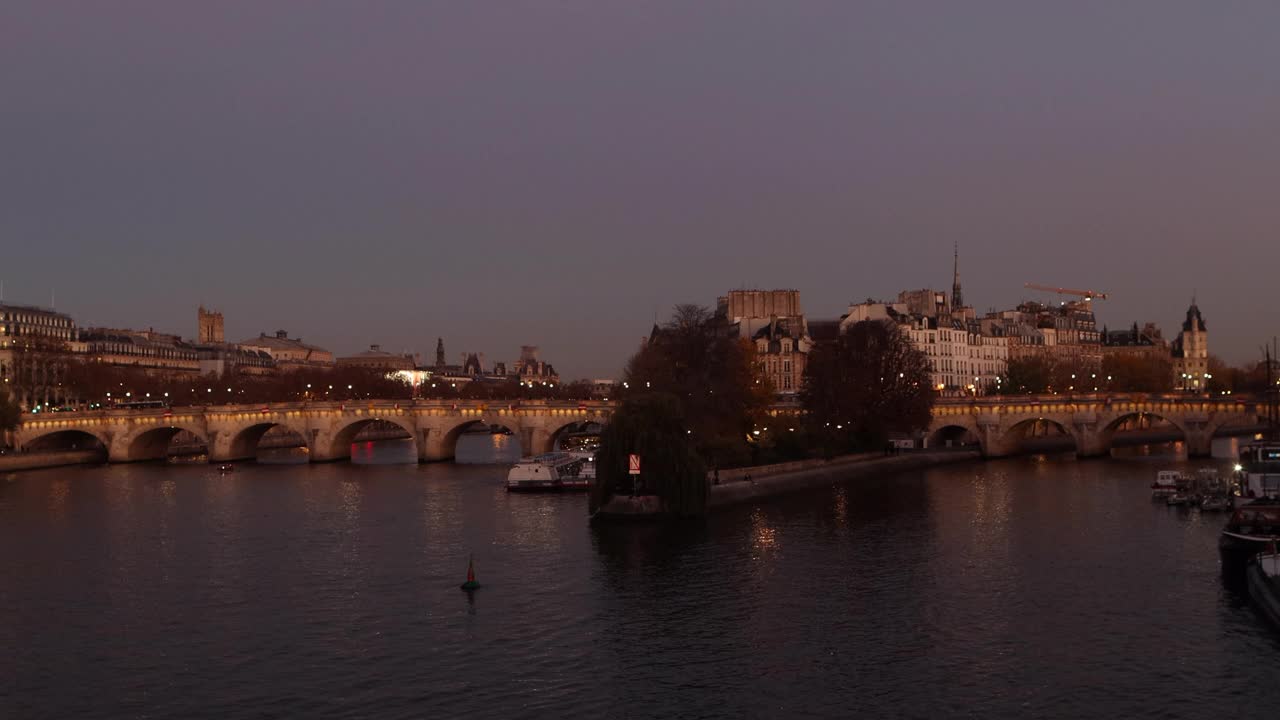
pixel 554 173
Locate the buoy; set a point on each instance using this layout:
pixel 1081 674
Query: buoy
pixel 471 583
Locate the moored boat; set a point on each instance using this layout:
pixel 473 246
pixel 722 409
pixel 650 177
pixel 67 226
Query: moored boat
pixel 1215 504
pixel 1264 584
pixel 1166 484
pixel 552 472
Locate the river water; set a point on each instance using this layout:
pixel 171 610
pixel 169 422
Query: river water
pixel 1038 587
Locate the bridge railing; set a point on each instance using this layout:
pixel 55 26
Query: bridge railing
pixel 108 412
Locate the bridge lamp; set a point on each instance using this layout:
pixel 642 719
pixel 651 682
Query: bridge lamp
pixel 108 394
pixel 128 394
pixel 348 387
pixel 166 394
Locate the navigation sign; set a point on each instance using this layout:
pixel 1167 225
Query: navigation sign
pixel 633 464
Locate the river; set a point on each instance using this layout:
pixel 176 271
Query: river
pixel 1034 587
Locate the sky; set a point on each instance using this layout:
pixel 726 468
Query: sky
pixel 561 173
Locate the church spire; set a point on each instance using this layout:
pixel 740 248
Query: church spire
pixel 957 298
pixel 439 352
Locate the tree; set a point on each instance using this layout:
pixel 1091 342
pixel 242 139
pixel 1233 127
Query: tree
pixel 713 377
pixel 1137 373
pixel 864 385
pixel 10 414
pixel 1027 375
pixel 651 425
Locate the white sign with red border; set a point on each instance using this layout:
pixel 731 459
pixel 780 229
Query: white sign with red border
pixel 633 464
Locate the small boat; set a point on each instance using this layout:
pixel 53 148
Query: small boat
pixel 226 468
pixel 1215 504
pixel 553 472
pixel 1178 498
pixel 1166 484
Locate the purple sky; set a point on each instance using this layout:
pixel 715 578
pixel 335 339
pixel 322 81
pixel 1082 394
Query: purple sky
pixel 553 173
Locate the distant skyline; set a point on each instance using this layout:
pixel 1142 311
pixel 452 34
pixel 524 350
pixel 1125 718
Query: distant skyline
pixel 501 174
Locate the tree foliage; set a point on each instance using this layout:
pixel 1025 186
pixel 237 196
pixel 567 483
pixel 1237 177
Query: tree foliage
pixel 651 425
pixel 10 415
pixel 864 385
pixel 713 377
pixel 1137 373
pixel 1027 375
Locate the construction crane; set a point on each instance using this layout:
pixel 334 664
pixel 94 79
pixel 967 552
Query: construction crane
pixel 1086 294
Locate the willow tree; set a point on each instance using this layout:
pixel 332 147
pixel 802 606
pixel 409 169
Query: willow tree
pixel 864 385
pixel 651 425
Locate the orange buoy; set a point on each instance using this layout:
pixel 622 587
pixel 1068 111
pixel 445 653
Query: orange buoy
pixel 471 583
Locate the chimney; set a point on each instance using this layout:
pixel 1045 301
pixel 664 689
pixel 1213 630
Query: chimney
pixel 375 348
pixel 282 334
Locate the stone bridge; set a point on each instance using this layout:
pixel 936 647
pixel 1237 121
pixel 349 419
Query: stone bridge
pixel 1095 423
pixel 232 432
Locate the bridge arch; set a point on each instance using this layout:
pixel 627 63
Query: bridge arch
pixel 339 442
pixel 450 438
pixel 952 435
pixel 243 443
pixel 1113 430
pixel 70 438
pixel 587 425
pixel 1040 434
pixel 151 442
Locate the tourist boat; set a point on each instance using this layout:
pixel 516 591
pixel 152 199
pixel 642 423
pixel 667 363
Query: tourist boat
pixel 1255 522
pixel 1264 583
pixel 1178 498
pixel 558 471
pixel 1166 484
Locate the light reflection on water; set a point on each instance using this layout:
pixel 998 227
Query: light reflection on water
pixel 472 449
pixel 1021 588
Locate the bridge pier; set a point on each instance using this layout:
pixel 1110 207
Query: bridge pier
pixel 431 446
pixel 1199 445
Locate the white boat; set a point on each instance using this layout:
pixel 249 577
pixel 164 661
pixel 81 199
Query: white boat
pixel 552 472
pixel 1167 483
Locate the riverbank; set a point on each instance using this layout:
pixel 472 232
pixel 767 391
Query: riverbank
pixel 766 481
pixel 35 461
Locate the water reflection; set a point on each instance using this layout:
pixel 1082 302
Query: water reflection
pixel 1049 588
pixel 483 448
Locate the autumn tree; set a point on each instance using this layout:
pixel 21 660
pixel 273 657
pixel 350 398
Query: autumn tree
pixel 712 374
pixel 1137 372
pixel 1027 375
pixel 864 385
pixel 10 414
